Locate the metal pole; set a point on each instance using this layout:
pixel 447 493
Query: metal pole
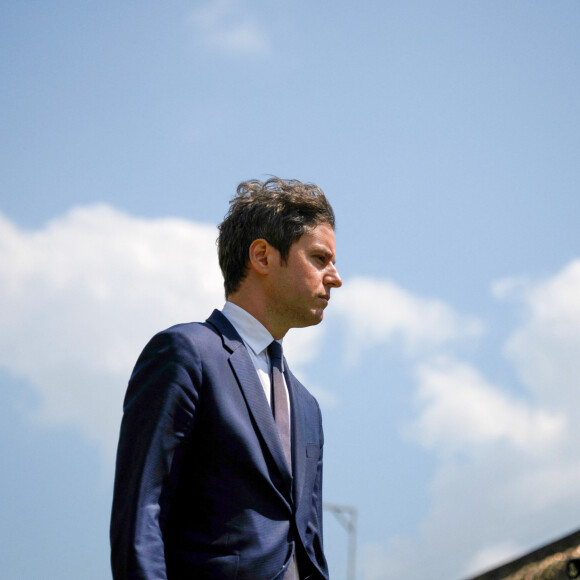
pixel 347 517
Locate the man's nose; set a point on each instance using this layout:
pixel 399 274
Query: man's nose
pixel 333 279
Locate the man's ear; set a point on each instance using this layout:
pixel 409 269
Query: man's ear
pixel 260 256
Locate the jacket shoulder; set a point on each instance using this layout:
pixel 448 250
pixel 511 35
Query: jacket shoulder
pixel 185 336
pixel 189 331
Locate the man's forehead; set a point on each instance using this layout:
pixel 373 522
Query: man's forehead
pixel 320 237
pixel 322 232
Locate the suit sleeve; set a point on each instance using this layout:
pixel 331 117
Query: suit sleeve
pixel 158 417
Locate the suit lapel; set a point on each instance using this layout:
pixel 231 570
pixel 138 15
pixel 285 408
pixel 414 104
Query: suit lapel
pixel 253 392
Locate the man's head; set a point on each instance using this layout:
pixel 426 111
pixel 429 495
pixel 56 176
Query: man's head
pixel 277 253
pixel 279 211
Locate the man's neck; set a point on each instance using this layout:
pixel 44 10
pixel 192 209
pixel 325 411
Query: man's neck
pixel 257 309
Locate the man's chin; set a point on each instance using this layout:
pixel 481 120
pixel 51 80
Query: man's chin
pixel 315 318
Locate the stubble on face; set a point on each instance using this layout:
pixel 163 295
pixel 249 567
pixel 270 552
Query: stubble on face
pixel 300 288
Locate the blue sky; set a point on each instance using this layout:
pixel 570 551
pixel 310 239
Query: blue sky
pixel 447 137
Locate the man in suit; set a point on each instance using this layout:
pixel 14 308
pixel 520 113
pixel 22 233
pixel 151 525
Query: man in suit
pixel 219 464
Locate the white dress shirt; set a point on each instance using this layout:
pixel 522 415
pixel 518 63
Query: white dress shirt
pixel 257 339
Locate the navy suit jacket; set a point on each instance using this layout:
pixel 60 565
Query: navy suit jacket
pixel 202 489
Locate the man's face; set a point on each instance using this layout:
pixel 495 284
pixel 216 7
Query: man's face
pixel 300 289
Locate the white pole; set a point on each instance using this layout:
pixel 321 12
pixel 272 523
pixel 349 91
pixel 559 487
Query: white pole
pixel 347 516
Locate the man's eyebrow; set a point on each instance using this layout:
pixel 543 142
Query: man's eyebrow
pixel 324 249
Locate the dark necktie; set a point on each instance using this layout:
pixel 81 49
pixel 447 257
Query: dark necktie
pixel 279 401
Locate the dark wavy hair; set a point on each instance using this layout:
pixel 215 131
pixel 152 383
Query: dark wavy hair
pixel 278 210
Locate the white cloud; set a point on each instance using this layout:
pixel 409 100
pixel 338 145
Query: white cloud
pixel 509 287
pixel 80 297
pixel 302 345
pixel 545 350
pixel 460 411
pixel 222 25
pixel 488 557
pixel 508 473
pixel 381 311
pixel 377 562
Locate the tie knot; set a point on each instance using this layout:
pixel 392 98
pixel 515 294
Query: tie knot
pixel 275 350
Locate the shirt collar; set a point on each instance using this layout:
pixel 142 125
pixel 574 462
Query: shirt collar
pixel 253 332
